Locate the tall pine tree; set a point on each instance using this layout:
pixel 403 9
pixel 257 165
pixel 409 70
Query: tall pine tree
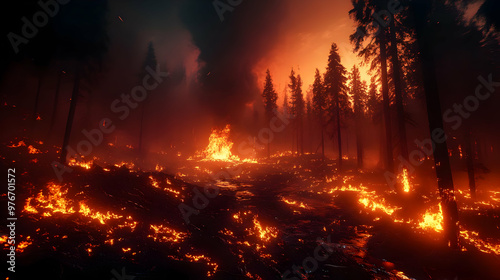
pixel 270 97
pixel 335 84
pixel 358 93
pixel 297 106
pixel 319 106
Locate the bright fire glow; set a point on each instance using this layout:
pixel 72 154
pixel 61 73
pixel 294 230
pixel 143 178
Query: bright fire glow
pixel 432 220
pixel 84 164
pixel 291 202
pixel 102 218
pixel 33 150
pixel 165 234
pixel 156 184
pixel 369 199
pixel 21 143
pixel 219 146
pixel 480 244
pixel 405 180
pixel 55 201
pixel 194 258
pixel 264 233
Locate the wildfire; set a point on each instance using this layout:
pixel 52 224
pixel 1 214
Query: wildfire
pixel 33 150
pixel 404 178
pixel 84 164
pixel 24 244
pixel 128 165
pixel 295 203
pixel 219 146
pixel 165 234
pixel 158 168
pixel 264 233
pixel 369 199
pixel 370 203
pixel 432 220
pixel 194 258
pixel 102 218
pixel 156 185
pixel 21 143
pixel 55 201
pixel 481 245
pixel 29 208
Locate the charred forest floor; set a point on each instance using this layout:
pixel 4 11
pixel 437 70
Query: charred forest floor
pixel 281 218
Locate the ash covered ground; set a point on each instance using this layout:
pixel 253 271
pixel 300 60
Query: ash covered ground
pixel 280 218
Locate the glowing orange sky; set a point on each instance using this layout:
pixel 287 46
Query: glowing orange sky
pixel 304 44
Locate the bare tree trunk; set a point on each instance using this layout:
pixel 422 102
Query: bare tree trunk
pixel 469 159
pixel 339 135
pixel 71 114
pixel 386 103
pixel 359 143
pixel 302 136
pixel 398 91
pixel 322 140
pixel 441 158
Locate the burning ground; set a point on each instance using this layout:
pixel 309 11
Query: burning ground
pixel 279 217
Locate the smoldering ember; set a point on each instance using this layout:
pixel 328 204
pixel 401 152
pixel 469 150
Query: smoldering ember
pixel 263 139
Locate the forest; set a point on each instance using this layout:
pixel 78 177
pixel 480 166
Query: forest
pixel 193 139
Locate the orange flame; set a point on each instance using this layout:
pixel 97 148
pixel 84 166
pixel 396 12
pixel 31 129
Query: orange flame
pixel 405 180
pixel 480 244
pixel 219 146
pixel 84 164
pixel 102 218
pixel 55 201
pixel 21 143
pixel 165 234
pixel 432 220
pixel 33 150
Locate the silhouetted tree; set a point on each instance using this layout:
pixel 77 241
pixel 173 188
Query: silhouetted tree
pixel 421 10
pixel 319 106
pixel 398 87
pixel 270 97
pixel 335 84
pixel 362 14
pixel 358 92
pixel 373 102
pixel 82 37
pixel 297 107
pixel 309 118
pixel 286 103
